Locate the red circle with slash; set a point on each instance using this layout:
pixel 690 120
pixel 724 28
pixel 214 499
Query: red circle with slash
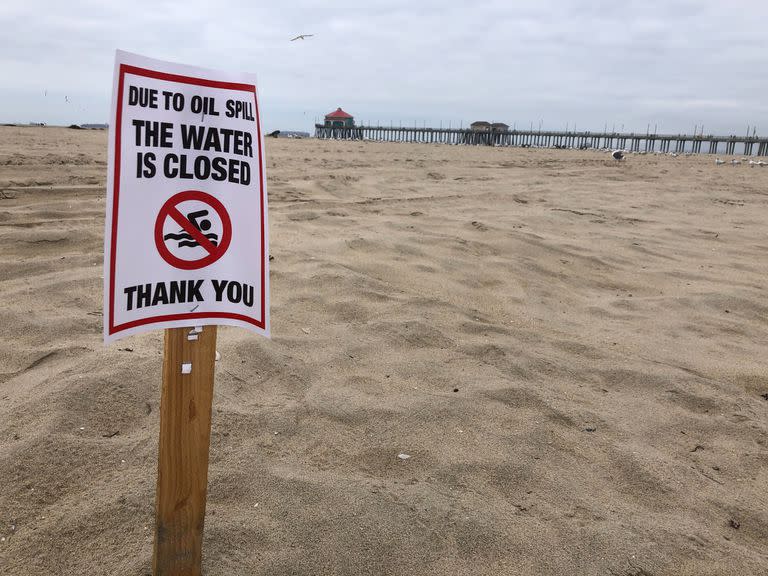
pixel 170 210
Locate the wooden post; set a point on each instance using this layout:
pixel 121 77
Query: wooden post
pixel 185 432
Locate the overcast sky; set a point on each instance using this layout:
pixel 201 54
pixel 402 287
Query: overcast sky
pixel 671 63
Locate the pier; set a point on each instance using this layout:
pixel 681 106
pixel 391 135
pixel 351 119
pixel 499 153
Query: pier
pixel 633 142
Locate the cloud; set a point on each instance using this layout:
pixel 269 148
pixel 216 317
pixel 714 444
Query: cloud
pixel 558 61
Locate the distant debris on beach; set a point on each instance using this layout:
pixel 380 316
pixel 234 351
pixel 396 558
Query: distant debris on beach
pixel 89 126
pixel 72 126
pixel 288 134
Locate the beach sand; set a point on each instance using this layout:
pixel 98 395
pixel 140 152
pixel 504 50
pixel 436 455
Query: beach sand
pixel 571 350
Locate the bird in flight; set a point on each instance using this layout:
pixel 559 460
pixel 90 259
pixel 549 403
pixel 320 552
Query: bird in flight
pixel 301 37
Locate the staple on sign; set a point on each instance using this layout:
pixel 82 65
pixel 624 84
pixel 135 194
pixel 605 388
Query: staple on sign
pixel 186 368
pixel 192 335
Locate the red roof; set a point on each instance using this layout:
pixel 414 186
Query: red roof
pixel 338 113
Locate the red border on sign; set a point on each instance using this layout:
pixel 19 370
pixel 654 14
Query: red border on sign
pixel 137 71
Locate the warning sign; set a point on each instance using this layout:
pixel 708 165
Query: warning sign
pixel 186 240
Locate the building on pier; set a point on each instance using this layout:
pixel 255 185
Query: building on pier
pixel 338 125
pixel 339 119
pixel 480 126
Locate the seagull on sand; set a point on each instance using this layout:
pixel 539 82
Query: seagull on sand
pixel 719 162
pixel 618 155
pixel 301 37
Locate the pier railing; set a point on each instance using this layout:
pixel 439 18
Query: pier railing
pixel 633 142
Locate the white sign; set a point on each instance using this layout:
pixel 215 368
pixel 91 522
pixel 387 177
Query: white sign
pixel 186 237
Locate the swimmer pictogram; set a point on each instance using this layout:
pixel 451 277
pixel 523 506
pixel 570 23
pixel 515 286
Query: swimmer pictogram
pixel 185 239
pixel 193 231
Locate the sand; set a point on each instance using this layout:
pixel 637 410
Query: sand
pixel 571 350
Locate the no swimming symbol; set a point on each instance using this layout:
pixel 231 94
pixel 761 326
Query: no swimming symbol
pixel 179 246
